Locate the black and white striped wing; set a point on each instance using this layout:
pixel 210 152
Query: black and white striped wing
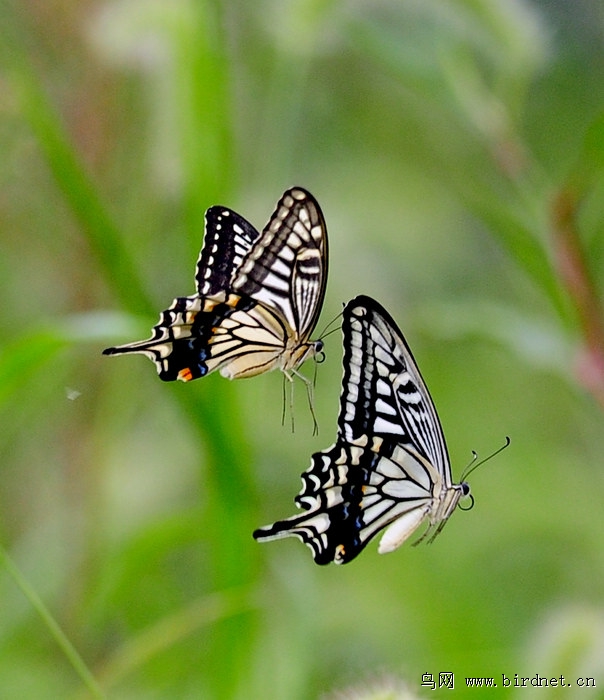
pixel 376 352
pixel 286 270
pixel 227 240
pixel 389 465
pixel 179 344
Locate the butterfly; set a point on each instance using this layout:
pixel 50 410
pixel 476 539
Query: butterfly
pixel 259 296
pixel 389 467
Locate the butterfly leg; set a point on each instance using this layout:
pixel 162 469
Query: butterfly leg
pixel 291 401
pixel 284 400
pixel 311 399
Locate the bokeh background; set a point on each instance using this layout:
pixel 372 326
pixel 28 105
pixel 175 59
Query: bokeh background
pixel 457 150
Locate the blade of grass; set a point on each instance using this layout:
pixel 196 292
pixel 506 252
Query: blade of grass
pixel 76 661
pixel 161 635
pixel 102 234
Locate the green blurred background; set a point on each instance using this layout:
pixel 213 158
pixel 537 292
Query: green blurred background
pixel 457 150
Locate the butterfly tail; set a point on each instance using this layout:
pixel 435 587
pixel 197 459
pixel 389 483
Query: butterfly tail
pixel 308 527
pixel 179 344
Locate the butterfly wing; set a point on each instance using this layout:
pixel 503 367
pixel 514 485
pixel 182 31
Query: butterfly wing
pixel 404 409
pixel 228 239
pixel 286 270
pixel 179 344
pixel 281 285
pixel 389 462
pixel 180 341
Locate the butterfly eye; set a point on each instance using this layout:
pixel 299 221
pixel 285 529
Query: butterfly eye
pixel 319 355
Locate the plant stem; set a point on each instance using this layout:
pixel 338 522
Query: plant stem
pixel 577 279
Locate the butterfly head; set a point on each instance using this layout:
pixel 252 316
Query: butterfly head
pixel 303 352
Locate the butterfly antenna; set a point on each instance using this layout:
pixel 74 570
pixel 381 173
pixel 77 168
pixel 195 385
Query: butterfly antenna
pixel 333 330
pixel 325 332
pixel 473 465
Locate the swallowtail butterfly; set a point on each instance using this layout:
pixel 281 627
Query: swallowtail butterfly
pixel 389 466
pixel 258 297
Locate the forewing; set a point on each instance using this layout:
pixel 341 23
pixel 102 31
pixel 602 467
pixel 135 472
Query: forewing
pixel 286 268
pixel 228 239
pixel 383 392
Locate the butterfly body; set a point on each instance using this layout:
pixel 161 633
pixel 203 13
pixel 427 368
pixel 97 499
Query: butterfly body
pixel 259 297
pixel 265 343
pixel 389 467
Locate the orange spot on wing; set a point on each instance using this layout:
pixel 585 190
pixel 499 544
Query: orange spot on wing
pixel 185 375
